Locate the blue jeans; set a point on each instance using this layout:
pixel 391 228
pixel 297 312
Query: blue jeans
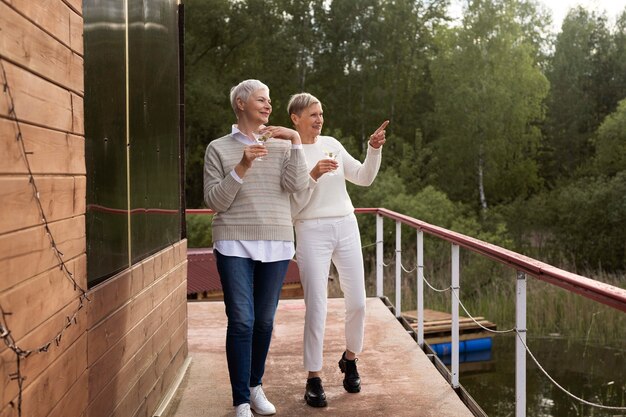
pixel 251 292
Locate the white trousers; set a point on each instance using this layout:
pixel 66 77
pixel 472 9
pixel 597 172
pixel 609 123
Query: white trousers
pixel 317 242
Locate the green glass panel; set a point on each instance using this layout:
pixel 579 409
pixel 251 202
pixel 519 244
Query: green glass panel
pixel 105 138
pixel 154 125
pixel 153 178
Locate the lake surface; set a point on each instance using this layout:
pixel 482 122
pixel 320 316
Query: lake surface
pixel 595 373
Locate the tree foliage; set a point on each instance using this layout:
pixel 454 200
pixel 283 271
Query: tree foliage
pixel 488 90
pixel 611 143
pixel 499 129
pixel 586 75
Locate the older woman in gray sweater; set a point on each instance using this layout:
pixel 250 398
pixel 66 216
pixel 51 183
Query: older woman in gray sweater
pixel 248 185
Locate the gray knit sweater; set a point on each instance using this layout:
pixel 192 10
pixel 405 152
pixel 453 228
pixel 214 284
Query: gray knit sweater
pixel 259 208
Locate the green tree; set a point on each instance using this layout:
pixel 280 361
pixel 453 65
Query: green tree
pixel 367 60
pixel 587 221
pixel 488 89
pixel 582 92
pixel 619 57
pixel 225 43
pixel 611 143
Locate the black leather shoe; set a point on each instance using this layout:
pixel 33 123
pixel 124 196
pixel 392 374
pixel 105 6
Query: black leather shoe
pixel 314 395
pixel 351 380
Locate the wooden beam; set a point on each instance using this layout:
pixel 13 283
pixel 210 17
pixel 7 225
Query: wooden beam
pixel 169 361
pixel 34 365
pixel 76 5
pixel 48 388
pixel 40 297
pixel 462 326
pixel 37 101
pixel 52 16
pixel 117 387
pixel 76 33
pixel 110 385
pixel 49 151
pixel 26 44
pixel 119 290
pixel 78 114
pixel 120 326
pixel 75 401
pixel 28 252
pixel 61 197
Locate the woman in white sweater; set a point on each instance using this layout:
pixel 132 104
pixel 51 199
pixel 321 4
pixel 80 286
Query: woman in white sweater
pixel 326 229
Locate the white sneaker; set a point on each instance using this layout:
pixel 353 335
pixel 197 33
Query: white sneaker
pixel 259 402
pixel 243 410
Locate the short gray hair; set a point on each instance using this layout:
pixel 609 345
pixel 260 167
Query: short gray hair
pixel 299 102
pixel 243 91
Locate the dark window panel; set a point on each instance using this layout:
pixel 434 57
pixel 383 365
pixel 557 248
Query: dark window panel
pixel 105 138
pixel 154 126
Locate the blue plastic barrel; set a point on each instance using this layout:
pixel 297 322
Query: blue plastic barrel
pixel 472 345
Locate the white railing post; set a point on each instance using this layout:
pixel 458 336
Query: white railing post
pixel 398 268
pixel 520 349
pixel 455 315
pixel 379 255
pixel 420 288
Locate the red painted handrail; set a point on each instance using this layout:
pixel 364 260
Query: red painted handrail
pixel 604 293
pixel 199 211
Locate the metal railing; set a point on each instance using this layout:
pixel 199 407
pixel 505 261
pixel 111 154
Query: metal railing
pixel 603 293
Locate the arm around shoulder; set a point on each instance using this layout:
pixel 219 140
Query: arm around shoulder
pixel 295 173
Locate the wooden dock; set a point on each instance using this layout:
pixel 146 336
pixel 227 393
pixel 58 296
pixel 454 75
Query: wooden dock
pixel 437 325
pixel 398 378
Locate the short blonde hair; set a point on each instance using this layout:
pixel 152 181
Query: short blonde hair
pixel 299 102
pixel 243 91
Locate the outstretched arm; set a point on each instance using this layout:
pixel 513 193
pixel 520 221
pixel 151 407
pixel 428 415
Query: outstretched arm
pixel 365 173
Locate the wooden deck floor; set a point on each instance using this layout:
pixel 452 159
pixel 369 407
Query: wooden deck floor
pixel 398 379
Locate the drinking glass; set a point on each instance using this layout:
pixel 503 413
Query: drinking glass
pixel 330 154
pixel 261 138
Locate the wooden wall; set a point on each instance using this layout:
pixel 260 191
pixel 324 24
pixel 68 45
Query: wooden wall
pixel 137 336
pixel 126 346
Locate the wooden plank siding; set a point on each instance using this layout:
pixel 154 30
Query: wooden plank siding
pixel 139 367
pixel 29 46
pixel 128 343
pixel 75 401
pixel 52 384
pixel 27 252
pixel 76 5
pixel 38 101
pixel 44 71
pixel 50 152
pixel 37 363
pixel 62 197
pixel 138 363
pixel 53 17
pixel 42 296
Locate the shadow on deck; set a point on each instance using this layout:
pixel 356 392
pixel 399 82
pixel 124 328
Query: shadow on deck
pixel 398 378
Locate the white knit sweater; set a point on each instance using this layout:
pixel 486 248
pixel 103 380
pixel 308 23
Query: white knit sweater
pixel 258 209
pixel 328 197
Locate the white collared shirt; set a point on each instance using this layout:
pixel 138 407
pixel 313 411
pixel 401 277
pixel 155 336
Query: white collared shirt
pixel 257 250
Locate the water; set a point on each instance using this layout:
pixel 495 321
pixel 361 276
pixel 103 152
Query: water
pixel 595 373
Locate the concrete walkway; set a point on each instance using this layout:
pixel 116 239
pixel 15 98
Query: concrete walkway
pixel 398 379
